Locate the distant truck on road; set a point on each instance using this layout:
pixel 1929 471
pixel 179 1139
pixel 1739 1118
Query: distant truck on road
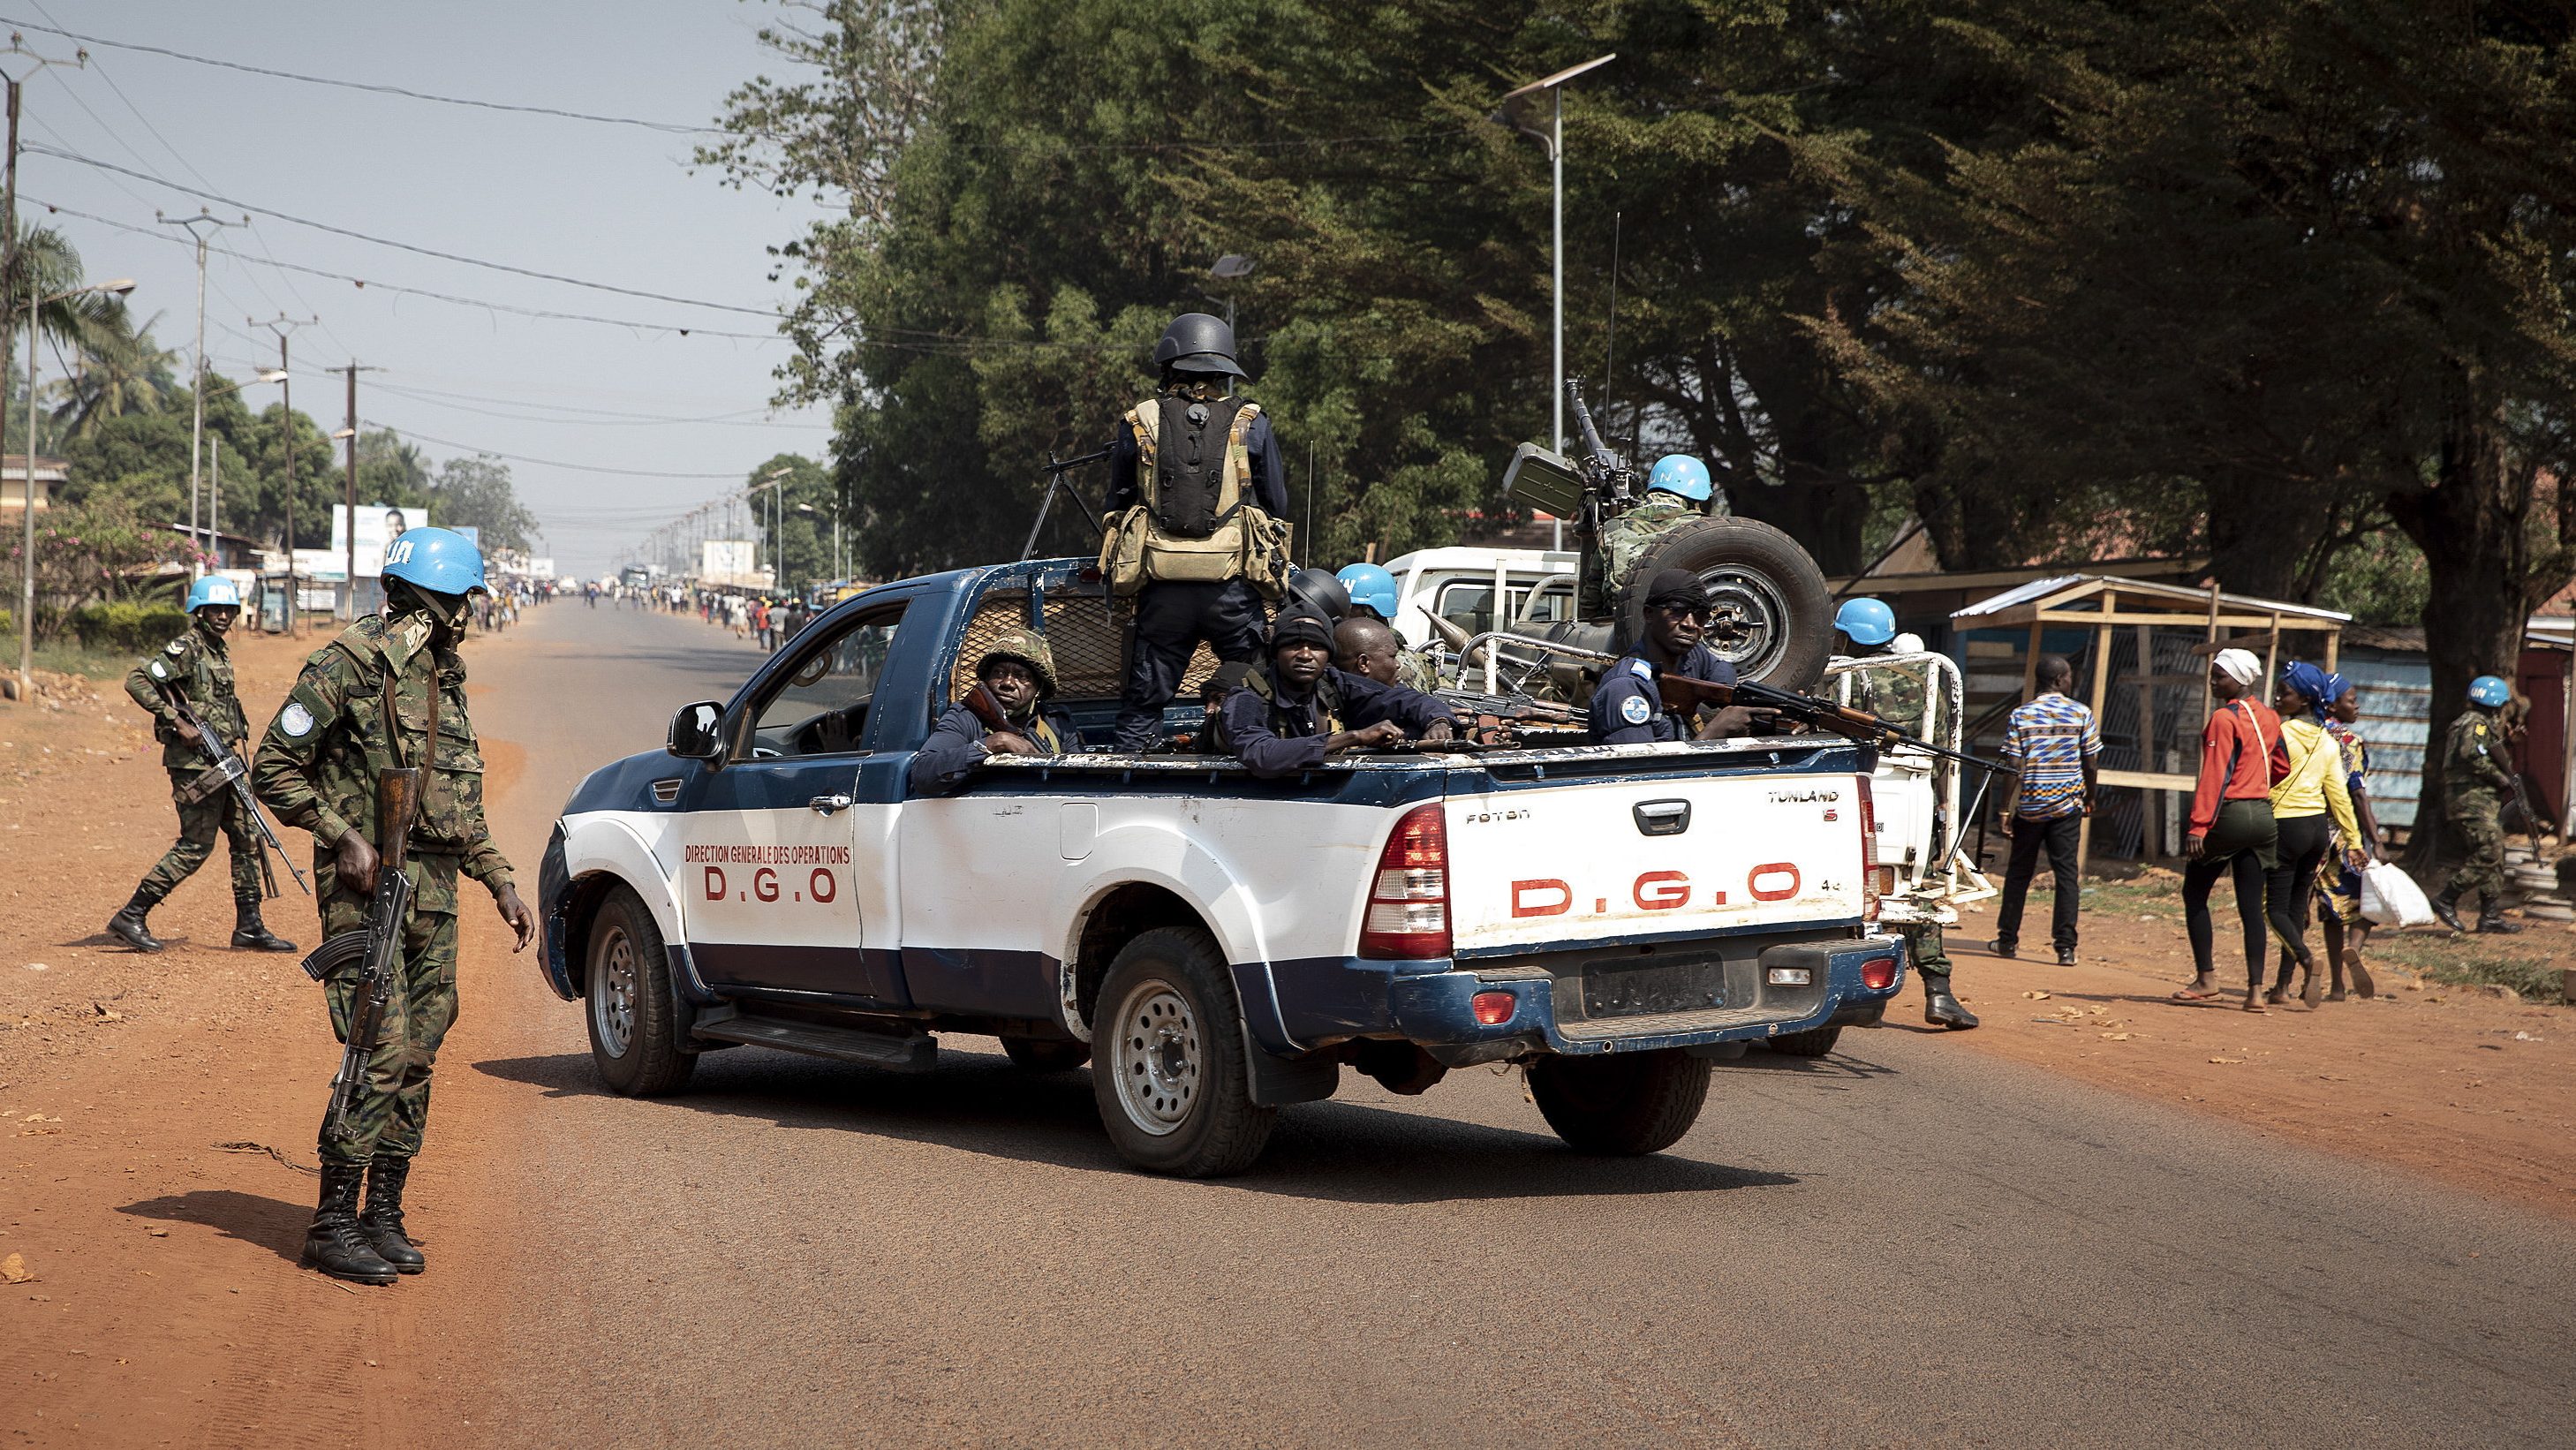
pixel 1217 946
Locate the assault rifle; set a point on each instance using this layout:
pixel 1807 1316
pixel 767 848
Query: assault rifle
pixel 1501 719
pixel 1684 695
pixel 377 946
pixel 224 768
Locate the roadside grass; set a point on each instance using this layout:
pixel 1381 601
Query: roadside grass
pixel 2529 963
pixel 67 657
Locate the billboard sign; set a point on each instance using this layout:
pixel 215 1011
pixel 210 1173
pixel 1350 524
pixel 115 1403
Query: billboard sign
pixel 378 525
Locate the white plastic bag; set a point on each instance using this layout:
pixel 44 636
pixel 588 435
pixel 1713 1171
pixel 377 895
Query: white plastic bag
pixel 2390 897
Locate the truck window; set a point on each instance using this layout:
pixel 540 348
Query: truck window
pixel 1469 603
pixel 820 707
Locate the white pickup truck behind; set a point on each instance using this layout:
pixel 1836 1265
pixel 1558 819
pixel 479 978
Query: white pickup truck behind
pixel 1217 946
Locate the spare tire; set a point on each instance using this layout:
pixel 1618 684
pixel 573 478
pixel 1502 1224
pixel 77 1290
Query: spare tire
pixel 1774 618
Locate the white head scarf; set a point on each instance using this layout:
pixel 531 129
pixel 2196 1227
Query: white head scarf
pixel 2239 665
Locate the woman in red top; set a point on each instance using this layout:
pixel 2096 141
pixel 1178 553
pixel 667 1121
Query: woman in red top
pixel 2232 832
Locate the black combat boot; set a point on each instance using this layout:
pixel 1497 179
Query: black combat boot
pixel 2446 909
pixel 2491 919
pixel 127 925
pixel 334 1244
pixel 1942 1009
pixel 250 934
pixel 382 1223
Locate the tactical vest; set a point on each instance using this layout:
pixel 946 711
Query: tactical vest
pixel 1197 522
pixel 1328 704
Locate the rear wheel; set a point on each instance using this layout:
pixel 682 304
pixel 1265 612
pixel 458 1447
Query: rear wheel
pixel 1772 617
pixel 1621 1104
pixel 634 1032
pixel 1045 1054
pixel 1814 1042
pixel 1169 1073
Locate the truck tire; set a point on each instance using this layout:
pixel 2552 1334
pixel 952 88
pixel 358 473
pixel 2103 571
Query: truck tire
pixel 1814 1042
pixel 1760 574
pixel 1621 1104
pixel 1045 1054
pixel 634 1037
pixel 1168 1069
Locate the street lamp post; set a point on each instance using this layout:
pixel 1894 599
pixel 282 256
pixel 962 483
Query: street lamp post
pixel 197 385
pixel 1553 138
pixel 777 528
pixel 282 326
pixel 27 542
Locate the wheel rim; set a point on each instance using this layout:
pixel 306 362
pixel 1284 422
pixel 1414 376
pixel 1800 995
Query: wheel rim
pixel 612 992
pixel 1158 1059
pixel 1748 619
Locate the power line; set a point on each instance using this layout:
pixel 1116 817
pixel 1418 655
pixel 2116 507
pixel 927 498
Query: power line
pixel 539 462
pixel 90 161
pixel 545 314
pixel 669 127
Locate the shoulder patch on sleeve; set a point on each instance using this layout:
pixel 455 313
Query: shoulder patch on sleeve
pixel 295 720
pixel 159 672
pixel 176 647
pixel 1641 669
pixel 1635 710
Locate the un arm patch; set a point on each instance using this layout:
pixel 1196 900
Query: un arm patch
pixel 159 672
pixel 295 720
pixel 1635 710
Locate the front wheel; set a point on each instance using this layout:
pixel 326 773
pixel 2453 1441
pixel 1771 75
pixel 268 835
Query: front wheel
pixel 1168 1068
pixel 1621 1104
pixel 634 1031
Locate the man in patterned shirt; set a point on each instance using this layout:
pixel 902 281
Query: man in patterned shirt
pixel 2058 747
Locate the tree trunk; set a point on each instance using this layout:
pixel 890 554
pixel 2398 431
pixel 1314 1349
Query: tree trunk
pixel 2478 559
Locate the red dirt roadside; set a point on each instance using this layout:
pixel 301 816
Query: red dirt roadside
pixel 2455 1084
pixel 140 1100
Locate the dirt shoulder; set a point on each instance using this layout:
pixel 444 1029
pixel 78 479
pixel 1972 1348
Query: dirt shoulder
pixel 2454 1082
pixel 156 1124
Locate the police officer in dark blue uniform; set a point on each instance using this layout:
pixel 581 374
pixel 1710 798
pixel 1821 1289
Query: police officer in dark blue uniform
pixel 1298 709
pixel 1626 707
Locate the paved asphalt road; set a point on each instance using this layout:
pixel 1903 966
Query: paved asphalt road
pixel 1905 1243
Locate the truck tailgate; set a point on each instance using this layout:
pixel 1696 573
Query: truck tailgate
pixel 1550 864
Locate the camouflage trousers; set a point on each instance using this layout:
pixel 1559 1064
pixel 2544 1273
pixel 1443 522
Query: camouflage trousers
pixel 1923 947
pixel 393 1109
pixel 2476 816
pixel 198 823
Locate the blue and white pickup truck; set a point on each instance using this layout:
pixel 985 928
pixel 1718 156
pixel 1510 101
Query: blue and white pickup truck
pixel 1217 946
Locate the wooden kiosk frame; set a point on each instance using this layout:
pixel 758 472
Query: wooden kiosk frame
pixel 2105 604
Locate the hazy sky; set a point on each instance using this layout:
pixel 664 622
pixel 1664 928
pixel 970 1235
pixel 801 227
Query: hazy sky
pixel 611 204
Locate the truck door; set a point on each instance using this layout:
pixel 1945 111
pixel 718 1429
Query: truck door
pixel 786 858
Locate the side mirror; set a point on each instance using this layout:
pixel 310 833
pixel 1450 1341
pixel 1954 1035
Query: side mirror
pixel 693 731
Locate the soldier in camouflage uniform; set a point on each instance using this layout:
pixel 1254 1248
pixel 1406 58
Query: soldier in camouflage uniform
pixel 2475 782
pixel 1868 628
pixel 199 668
pixel 1677 491
pixel 390 693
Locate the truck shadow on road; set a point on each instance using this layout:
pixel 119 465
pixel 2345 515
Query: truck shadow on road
pixel 1344 1152
pixel 262 1222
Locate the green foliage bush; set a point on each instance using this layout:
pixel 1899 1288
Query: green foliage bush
pixel 128 625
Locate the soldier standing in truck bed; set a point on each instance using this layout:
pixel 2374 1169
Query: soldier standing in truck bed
pixel 1190 468
pixel 198 667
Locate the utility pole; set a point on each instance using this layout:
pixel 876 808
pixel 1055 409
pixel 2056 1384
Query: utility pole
pixel 283 326
pixel 28 63
pixel 197 388
pixel 215 494
pixel 1553 138
pixel 349 567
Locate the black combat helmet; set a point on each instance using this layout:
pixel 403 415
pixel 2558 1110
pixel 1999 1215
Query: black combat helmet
pixel 1197 343
pixel 1320 592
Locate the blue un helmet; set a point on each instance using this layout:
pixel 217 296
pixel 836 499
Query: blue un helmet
pixel 441 561
pixel 2490 691
pixel 1682 474
pixel 214 591
pixel 1867 621
pixel 1371 585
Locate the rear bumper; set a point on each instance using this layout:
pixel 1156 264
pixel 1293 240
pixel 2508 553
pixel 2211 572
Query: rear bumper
pixel 1434 1007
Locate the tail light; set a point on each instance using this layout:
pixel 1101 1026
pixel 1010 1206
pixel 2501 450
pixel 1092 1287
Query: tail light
pixel 1408 904
pixel 1868 851
pixel 1493 1009
pixel 1878 973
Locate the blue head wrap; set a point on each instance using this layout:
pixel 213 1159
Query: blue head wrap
pixel 2320 687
